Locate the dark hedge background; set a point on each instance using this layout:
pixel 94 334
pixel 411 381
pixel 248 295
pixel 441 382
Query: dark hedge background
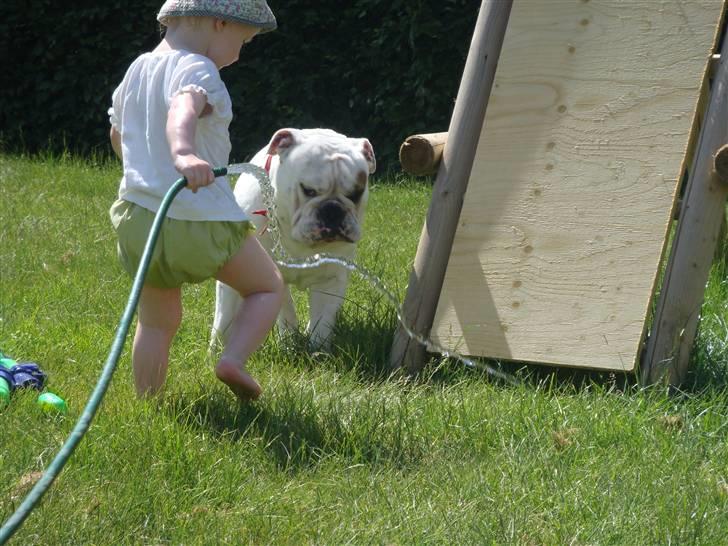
pixel 383 69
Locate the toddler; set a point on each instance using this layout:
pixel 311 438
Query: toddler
pixel 170 118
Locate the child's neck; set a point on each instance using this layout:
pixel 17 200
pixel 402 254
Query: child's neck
pixel 192 39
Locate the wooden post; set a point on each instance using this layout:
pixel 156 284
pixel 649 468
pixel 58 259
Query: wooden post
pixel 676 317
pixel 433 251
pixel 421 154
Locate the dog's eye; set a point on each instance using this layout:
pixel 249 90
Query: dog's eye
pixel 308 192
pixel 355 196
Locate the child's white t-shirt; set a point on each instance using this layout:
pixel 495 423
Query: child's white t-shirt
pixel 139 112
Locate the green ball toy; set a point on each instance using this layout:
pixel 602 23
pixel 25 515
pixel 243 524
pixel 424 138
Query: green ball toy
pixel 51 403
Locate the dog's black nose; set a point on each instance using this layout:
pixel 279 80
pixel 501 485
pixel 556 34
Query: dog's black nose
pixel 331 214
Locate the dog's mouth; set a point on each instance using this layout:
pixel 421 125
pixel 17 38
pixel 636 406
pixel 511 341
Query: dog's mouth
pixel 342 238
pixel 319 231
pixel 328 235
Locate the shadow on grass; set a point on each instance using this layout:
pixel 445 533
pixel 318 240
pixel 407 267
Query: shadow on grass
pixel 362 339
pixel 706 375
pixel 362 346
pixel 300 429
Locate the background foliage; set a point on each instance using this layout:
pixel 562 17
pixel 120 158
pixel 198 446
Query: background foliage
pixel 383 69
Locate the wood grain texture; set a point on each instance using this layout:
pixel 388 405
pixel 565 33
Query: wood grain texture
pixel 571 192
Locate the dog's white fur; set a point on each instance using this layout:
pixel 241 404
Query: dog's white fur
pixel 320 183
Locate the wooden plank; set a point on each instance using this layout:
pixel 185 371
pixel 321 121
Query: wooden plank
pixel 566 214
pixel 694 244
pixel 433 250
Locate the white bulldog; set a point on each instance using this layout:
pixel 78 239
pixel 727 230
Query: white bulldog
pixel 320 183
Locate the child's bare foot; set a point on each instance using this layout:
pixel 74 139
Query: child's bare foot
pixel 238 380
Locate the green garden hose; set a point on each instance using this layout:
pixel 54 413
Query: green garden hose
pixel 84 421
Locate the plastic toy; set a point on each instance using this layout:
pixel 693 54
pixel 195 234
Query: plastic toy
pixel 18 375
pixel 6 381
pixel 52 403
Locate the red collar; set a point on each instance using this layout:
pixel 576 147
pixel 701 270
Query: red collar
pixel 264 212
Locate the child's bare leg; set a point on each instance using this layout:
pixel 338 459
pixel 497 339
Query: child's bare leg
pixel 256 278
pixel 159 317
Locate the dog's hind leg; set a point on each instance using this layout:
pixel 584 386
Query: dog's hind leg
pixel 227 302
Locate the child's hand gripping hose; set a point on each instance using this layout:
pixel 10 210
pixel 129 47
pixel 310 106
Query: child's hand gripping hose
pixel 84 421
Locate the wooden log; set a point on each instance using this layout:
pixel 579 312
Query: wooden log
pixel 420 155
pixel 720 163
pixel 677 312
pixel 433 251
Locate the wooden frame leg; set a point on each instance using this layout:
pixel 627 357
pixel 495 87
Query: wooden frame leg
pixel 702 213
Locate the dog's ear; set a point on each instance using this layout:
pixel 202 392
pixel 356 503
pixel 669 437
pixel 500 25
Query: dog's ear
pixel 368 153
pixel 282 142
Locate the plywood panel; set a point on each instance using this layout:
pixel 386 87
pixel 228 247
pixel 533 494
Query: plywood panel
pixel 571 193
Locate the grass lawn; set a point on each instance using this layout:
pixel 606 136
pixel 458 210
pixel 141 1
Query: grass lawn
pixel 334 452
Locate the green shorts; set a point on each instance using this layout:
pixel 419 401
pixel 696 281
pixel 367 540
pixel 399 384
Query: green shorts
pixel 186 251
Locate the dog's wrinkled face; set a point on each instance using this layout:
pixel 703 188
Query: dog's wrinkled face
pixel 327 200
pixel 322 183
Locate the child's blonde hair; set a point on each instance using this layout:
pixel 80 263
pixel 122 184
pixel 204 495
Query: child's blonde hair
pixel 193 21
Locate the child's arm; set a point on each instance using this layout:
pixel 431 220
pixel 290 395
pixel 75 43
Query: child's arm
pixel 115 137
pixel 181 125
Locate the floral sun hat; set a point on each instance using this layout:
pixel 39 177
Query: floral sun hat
pixel 250 12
